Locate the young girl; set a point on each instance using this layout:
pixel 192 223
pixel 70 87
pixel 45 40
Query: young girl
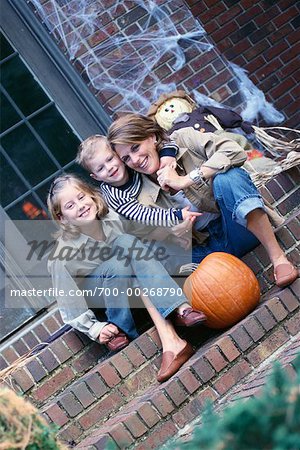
pixel 92 248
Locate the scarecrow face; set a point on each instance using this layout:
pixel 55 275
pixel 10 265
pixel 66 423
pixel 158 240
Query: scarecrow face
pixel 170 110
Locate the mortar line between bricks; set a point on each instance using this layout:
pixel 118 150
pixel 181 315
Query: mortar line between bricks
pixel 221 401
pixel 114 389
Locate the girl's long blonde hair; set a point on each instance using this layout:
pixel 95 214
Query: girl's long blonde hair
pixel 135 128
pixel 69 231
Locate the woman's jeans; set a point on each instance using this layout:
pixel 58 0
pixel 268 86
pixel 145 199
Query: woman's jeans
pixel 236 197
pixel 132 265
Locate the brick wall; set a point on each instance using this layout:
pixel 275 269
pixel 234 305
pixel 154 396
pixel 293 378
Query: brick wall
pixel 263 38
pixel 259 36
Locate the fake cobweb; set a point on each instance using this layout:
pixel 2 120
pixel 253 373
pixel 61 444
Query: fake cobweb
pixel 120 56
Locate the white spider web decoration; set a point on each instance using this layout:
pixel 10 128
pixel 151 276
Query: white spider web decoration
pixel 119 59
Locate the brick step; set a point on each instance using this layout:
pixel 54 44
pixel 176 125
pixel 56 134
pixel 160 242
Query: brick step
pixel 283 192
pixel 251 386
pixel 71 355
pixel 155 412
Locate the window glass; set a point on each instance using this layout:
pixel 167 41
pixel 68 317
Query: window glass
pixel 5 48
pixel 57 134
pixel 9 116
pixel 21 86
pixel 12 186
pixel 28 155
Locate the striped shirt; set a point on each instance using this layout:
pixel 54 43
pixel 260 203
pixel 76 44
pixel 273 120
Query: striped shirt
pixel 123 200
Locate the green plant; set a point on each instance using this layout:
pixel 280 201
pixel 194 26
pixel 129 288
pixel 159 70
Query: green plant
pixel 270 421
pixel 22 427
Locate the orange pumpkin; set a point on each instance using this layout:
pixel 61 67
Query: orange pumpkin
pixel 224 288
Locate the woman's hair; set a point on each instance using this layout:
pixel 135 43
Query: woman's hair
pixel 68 231
pixel 134 128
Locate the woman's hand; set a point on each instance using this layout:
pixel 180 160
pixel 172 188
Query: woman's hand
pixel 169 178
pixel 108 332
pixel 168 161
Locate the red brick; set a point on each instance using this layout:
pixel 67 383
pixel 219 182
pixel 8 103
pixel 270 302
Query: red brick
pixel 253 328
pixel 146 345
pixel 109 374
pixel 216 359
pixel 267 347
pixel 296 287
pixel 277 309
pixel 30 339
pixel 224 31
pixel 134 424
pixel 228 15
pixel 139 381
pixel 51 325
pixel 71 404
pixel 9 355
pixel 203 369
pixel 249 14
pixel 20 347
pixel 228 348
pixel 241 337
pixel 206 395
pixel 162 404
pixel 134 355
pixel 41 332
pixel 54 384
pixel 57 415
pixel 123 366
pixel 121 435
pixel 82 393
pixel 211 13
pixel 292 325
pixel 70 434
pixel 265 318
pixel 88 359
pixel 285 17
pixel 187 413
pixel 189 381
pixel 73 342
pixel 23 379
pixel 231 377
pixel 101 410
pixel 48 360
pixel 148 414
pixel 155 337
pixel 161 435
pixel 96 384
pixel 36 370
pixel 289 300
pixel 175 391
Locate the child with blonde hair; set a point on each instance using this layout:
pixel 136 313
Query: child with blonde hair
pixel 93 249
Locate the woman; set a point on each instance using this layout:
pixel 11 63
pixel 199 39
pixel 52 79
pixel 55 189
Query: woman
pixel 92 248
pixel 210 175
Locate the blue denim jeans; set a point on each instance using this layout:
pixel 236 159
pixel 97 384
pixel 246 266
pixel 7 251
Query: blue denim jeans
pixel 136 268
pixel 236 197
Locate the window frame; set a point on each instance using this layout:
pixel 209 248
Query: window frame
pixel 58 77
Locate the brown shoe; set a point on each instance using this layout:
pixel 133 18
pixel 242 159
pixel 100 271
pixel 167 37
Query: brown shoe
pixel 171 363
pixel 189 318
pixel 118 342
pixel 285 274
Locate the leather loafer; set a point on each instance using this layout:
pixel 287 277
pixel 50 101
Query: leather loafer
pixel 189 318
pixel 171 363
pixel 118 342
pixel 285 274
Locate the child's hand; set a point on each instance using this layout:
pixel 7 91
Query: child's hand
pixel 168 161
pixel 184 229
pixel 186 214
pixel 108 332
